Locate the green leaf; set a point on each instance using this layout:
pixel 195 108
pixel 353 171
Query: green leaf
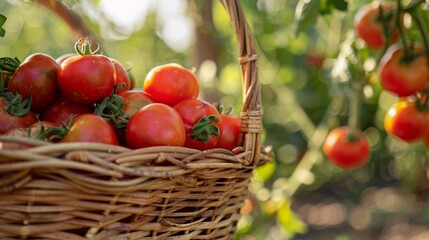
pixel 265 171
pixel 328 6
pixel 288 221
pixel 2 21
pixel 306 14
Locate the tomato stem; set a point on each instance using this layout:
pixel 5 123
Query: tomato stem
pixel 416 15
pixel 222 109
pixel 354 107
pixel 54 133
pixel 84 47
pixel 204 128
pixel 404 39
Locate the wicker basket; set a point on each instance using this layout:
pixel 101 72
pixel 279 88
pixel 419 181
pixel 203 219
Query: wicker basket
pixel 97 191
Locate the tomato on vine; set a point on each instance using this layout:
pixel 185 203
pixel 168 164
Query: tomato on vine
pixel 376 21
pixel 405 121
pixel 404 73
pixel 88 77
pixel 203 123
pixel 171 83
pixel 346 151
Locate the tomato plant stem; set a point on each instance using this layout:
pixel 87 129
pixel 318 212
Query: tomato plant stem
pixel 354 106
pixel 404 39
pixel 421 24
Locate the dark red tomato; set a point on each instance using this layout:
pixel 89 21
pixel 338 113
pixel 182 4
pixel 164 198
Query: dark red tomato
pixel 62 109
pixel 91 128
pixel 155 124
pixel 36 76
pixel 63 57
pixel 203 123
pixel 230 132
pixel 134 100
pixel 121 76
pixel 171 83
pixel 369 23
pixel 86 79
pixel 405 121
pixel 8 122
pixel 403 75
pixel 344 152
pixel 44 60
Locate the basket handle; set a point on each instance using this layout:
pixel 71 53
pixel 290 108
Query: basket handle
pixel 251 114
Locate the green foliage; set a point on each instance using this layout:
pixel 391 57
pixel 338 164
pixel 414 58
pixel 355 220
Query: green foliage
pixel 2 21
pixel 288 221
pixel 328 6
pixel 306 14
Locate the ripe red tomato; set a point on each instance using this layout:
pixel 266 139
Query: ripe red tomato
pixel 134 100
pixel 91 128
pixel 121 76
pixel 369 24
pixel 230 132
pixel 403 75
pixel 155 124
pixel 86 79
pixel 344 152
pixel 405 121
pixel 171 83
pixel 62 109
pixel 8 122
pixel 203 123
pixel 36 76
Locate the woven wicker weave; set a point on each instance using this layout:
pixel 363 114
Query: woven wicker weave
pixel 97 191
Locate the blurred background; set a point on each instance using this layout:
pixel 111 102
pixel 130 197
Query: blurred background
pixel 300 195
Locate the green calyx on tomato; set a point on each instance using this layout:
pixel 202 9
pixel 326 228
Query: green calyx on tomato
pixel 15 105
pixel 83 47
pixel 204 128
pixel 8 65
pixel 51 133
pixel 111 109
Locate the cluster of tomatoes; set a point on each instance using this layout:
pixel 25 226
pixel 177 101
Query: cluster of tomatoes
pixel 90 97
pixel 403 70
